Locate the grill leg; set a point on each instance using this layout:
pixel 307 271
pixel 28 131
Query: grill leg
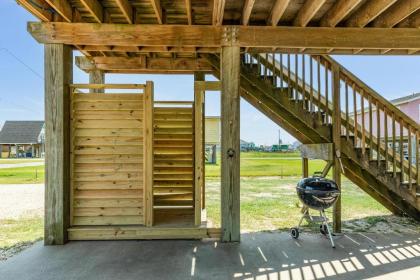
pixel 328 227
pixel 303 216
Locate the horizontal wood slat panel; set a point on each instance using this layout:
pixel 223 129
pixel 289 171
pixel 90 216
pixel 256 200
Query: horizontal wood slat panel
pixel 107 170
pixel 173 157
pixel 133 123
pixel 117 220
pixel 108 140
pixel 128 132
pixel 107 105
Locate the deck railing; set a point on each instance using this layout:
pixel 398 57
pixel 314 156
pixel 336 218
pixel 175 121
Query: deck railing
pixel 382 132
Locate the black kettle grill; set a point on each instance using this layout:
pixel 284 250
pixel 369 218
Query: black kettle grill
pixel 317 193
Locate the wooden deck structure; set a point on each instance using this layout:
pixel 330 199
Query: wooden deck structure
pixel 251 46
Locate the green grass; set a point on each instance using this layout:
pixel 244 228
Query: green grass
pixel 13 232
pixel 269 203
pixel 268 164
pixel 22 175
pixel 13 161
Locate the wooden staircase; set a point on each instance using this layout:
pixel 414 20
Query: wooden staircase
pixel 296 92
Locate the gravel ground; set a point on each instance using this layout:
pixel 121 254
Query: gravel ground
pixel 21 200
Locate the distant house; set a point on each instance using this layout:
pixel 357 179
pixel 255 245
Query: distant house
pixel 212 137
pixel 247 146
pixel 22 139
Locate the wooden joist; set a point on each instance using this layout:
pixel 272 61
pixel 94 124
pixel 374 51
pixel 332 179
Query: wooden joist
pixel 126 9
pixel 40 9
pixel 158 10
pixel 218 11
pixel 212 36
pixel 94 8
pixel 307 12
pixel 397 13
pixel 338 12
pixel 369 11
pixel 247 10
pixel 277 12
pixel 63 8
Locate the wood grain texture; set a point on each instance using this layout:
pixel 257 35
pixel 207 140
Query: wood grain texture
pixel 58 77
pixel 199 148
pixel 96 77
pixel 148 152
pixel 230 152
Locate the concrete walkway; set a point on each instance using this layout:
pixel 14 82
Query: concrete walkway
pixel 23 164
pixel 261 255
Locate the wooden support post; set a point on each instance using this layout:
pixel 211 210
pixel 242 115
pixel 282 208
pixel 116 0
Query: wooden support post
pixel 336 127
pixel 230 166
pixel 96 77
pixel 58 77
pixel 199 89
pixel 148 153
pixel 305 167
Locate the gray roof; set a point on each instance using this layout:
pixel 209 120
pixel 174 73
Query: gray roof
pixel 405 99
pixel 20 132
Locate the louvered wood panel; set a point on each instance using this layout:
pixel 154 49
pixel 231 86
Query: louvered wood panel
pixel 173 149
pixel 107 159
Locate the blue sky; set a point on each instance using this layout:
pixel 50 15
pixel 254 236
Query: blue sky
pixel 22 96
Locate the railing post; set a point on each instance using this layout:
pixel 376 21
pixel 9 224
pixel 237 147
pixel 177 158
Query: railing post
pixel 148 153
pixel 336 134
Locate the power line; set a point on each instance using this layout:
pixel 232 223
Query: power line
pixel 23 63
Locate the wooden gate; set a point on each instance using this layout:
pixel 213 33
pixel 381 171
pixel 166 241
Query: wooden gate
pixel 107 158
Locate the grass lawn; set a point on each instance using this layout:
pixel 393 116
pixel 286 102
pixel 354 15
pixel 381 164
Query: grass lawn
pixel 22 175
pixel 13 161
pixel 269 203
pixel 16 235
pixel 268 164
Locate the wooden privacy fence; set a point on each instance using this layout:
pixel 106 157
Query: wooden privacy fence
pixel 108 154
pixel 130 157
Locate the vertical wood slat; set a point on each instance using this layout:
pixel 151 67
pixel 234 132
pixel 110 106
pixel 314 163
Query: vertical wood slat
pixel 347 110
pixel 394 158
pixel 296 78
pixel 386 138
pixel 311 78
pixel 58 77
pixel 199 88
pixel 319 83
pixel 355 115
pixel 303 82
pixel 148 153
pixel 336 128
pixel 273 70
pixel 370 128
pixel 281 71
pixel 326 91
pixel 401 146
pixel 230 148
pixel 289 84
pixel 378 131
pixel 417 164
pixel 410 158
pixel 362 106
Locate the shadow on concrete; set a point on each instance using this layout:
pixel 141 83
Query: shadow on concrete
pixel 260 255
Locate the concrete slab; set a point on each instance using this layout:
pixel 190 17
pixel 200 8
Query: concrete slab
pixel 263 255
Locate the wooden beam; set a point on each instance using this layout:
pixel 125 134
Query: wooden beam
pixel 148 153
pixel 58 77
pixel 189 11
pixel 94 8
pixel 212 36
pixel 277 11
pixel 158 10
pixel 199 166
pixel 397 13
pixel 307 12
pixel 368 12
pixel 218 11
pixel 126 9
pixel 247 10
pixel 144 64
pixel 63 8
pixel 411 21
pixel 336 135
pixel 338 12
pixel 230 152
pixel 38 8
